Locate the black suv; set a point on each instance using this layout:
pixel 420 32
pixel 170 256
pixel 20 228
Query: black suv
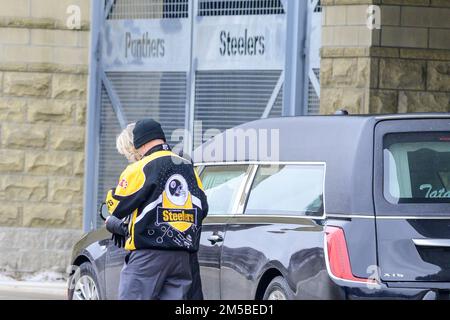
pixel 351 207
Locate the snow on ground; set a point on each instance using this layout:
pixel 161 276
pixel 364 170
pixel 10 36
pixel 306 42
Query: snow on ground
pixel 45 277
pixel 4 277
pixel 45 285
pixel 42 277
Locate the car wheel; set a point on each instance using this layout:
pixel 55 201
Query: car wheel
pixel 86 285
pixel 278 289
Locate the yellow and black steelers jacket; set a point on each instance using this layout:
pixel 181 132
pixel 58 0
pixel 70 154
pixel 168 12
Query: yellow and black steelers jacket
pixel 165 197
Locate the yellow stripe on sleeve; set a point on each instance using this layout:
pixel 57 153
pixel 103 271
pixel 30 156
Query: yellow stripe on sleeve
pixel 111 202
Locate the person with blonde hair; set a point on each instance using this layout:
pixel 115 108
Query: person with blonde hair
pixel 125 144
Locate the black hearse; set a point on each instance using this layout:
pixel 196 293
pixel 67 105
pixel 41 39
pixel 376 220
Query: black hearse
pixel 341 207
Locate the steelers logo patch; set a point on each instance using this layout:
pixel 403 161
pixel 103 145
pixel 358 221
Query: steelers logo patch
pixel 177 190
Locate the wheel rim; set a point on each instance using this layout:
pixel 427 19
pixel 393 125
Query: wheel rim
pixel 277 295
pixel 85 289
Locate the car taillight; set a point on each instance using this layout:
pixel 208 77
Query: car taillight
pixel 338 259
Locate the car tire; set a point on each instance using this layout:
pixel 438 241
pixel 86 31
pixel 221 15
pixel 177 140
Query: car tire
pixel 84 285
pixel 278 289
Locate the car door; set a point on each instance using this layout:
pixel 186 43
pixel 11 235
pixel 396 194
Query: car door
pixel 115 259
pixel 278 227
pixel 223 186
pixel 412 201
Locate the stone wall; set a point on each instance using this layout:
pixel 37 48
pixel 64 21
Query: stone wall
pixel 402 67
pixel 43 87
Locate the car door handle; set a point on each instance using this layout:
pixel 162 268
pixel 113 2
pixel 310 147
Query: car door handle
pixel 432 242
pixel 215 238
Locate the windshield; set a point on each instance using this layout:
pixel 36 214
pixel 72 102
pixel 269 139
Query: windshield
pixel 417 167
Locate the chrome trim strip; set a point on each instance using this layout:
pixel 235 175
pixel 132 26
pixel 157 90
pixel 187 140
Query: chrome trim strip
pixel 266 216
pixel 354 216
pixel 224 163
pixel 240 190
pixel 349 216
pixel 276 216
pixel 332 216
pixel 432 242
pixel 413 217
pixel 220 215
pixel 245 192
pixel 418 116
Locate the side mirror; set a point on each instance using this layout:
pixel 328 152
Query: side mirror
pixel 103 211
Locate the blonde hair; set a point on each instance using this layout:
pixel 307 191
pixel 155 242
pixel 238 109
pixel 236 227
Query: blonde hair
pixel 125 146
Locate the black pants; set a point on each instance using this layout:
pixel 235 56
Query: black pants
pixel 160 275
pixel 196 292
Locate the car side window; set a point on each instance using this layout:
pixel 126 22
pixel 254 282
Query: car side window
pixel 221 184
pixel 287 190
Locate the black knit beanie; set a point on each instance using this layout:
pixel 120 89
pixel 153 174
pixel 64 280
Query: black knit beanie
pixel 146 131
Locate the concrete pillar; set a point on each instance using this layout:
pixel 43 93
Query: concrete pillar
pixel 404 66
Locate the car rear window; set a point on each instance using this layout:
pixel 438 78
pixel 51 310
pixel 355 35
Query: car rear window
pixel 417 167
pixel 287 190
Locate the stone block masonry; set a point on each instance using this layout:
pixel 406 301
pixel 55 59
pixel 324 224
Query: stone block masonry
pixel 406 62
pixel 41 142
pixel 43 93
pixel 32 250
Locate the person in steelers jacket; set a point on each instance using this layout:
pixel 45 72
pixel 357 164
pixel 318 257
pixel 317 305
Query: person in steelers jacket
pixel 165 198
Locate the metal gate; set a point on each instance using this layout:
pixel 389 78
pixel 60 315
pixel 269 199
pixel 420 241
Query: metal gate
pixel 194 65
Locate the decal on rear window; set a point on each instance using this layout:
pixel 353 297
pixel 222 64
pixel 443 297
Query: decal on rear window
pixel 417 167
